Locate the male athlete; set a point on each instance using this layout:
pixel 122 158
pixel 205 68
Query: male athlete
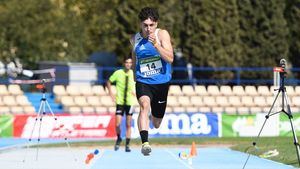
pixel 152 57
pixel 125 99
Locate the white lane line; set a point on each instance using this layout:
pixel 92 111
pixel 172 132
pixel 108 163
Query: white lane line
pixel 176 158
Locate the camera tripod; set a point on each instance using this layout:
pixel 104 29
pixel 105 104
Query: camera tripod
pixel 285 108
pixel 39 119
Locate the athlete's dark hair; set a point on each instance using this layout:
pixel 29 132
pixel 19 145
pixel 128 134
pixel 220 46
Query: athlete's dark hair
pixel 127 57
pixel 148 12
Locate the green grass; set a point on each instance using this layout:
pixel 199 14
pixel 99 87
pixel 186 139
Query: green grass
pixel 285 146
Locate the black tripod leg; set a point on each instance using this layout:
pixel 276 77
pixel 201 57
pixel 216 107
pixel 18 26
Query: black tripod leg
pixel 38 116
pixel 289 114
pixel 261 129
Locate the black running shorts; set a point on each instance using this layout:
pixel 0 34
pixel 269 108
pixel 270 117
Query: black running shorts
pixel 158 94
pixel 121 109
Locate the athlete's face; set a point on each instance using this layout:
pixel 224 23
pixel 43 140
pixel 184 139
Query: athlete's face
pixel 128 64
pixel 148 27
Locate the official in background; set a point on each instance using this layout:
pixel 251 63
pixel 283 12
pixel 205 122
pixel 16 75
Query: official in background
pixel 125 99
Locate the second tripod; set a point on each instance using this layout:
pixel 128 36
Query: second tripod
pixel 285 109
pixel 39 121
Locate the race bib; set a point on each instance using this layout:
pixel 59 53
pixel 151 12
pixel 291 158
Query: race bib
pixel 150 66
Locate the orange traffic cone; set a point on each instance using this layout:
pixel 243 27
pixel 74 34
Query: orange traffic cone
pixel 89 157
pixel 193 151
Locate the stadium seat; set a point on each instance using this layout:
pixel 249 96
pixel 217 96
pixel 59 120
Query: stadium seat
pixel 197 101
pixel 86 90
pixel 4 110
pixel 243 110
pixel 175 90
pixel 67 101
pixel 111 109
pixel 255 110
pixel 16 110
pixel 234 101
pixel 179 109
pixel 80 101
pixel 87 110
pixel 209 101
pixel 251 91
pixel 201 90
pixel 22 100
pixel 213 90
pixel 247 101
pixel 9 101
pixel 1 102
pixel 230 110
pixel 297 90
pixel 192 109
pixel 260 101
pixel 295 101
pixel 59 90
pixel 204 109
pixel 222 101
pixel 266 109
pixel 99 90
pixel 188 90
pixel 295 109
pixel 101 110
pixel 3 90
pixel 172 101
pixel 290 91
pixel 270 100
pixel 264 91
pixel 29 110
pixel 15 89
pixel 73 110
pixel 93 100
pixel 73 90
pixel 217 109
pixel 226 90
pixel 238 91
pixel 169 110
pixel 184 101
pixel 107 101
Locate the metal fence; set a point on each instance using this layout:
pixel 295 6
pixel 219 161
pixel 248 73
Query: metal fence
pixel 182 75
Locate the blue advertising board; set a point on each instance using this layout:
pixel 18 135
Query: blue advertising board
pixel 180 125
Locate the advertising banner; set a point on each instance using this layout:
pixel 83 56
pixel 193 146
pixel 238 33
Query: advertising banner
pixel 249 125
pixel 70 126
pixel 6 125
pixel 180 125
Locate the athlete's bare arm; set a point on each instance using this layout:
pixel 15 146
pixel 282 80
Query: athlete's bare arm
pixel 165 48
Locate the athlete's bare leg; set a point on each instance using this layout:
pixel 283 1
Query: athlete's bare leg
pixel 143 124
pixel 143 119
pixel 128 132
pixel 118 131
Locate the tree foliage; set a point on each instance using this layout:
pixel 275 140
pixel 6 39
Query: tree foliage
pixel 210 33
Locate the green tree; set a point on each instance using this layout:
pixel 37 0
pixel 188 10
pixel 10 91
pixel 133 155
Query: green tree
pixel 210 36
pixel 292 15
pixel 38 31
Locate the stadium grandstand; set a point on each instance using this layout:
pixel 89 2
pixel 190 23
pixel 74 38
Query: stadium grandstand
pixel 89 97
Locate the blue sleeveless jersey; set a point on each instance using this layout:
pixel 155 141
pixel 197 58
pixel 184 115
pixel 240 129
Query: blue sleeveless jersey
pixel 150 67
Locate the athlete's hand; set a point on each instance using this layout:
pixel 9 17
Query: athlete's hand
pixel 152 39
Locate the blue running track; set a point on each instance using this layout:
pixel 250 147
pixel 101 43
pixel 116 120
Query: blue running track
pixel 167 158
